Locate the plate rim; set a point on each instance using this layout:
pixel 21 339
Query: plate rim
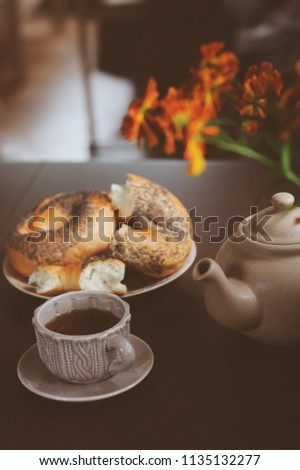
pixel 142 290
pixel 82 399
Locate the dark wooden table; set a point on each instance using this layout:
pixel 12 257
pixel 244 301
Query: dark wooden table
pixel 210 388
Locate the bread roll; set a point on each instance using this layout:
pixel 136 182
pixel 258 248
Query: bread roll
pixel 162 242
pixel 104 275
pixel 142 197
pixel 62 230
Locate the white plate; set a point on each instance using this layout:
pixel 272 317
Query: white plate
pixel 35 376
pixel 137 283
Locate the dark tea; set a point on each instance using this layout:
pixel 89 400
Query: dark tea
pixel 82 322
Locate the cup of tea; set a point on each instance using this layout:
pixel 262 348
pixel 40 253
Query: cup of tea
pixel 83 337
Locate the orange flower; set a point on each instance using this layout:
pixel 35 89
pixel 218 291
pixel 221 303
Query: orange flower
pixel 195 146
pixel 206 101
pixel 292 93
pixel 175 114
pixel 194 153
pixel 168 132
pixel 211 50
pixel 217 67
pixel 180 112
pixel 250 126
pixel 258 81
pixel 293 124
pixel 216 71
pixel 135 125
pixel 187 115
pixel 177 109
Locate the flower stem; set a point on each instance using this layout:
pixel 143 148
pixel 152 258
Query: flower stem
pixel 286 164
pixel 241 150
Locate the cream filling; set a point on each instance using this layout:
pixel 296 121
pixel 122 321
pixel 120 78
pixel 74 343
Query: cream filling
pixel 105 276
pixel 120 197
pixel 43 280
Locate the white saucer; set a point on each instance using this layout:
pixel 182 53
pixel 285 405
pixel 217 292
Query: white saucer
pixel 36 377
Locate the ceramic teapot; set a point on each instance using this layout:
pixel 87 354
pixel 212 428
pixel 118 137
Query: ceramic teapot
pixel 254 284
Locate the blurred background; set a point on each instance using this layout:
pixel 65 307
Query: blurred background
pixel 69 68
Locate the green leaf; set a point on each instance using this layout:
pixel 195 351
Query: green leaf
pixel 286 163
pixel 241 149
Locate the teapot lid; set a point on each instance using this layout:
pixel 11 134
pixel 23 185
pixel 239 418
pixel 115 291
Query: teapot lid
pixel 278 224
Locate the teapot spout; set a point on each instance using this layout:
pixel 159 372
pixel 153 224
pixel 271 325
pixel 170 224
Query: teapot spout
pixel 229 301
